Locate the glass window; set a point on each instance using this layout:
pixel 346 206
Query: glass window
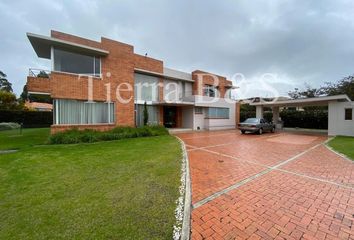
pixel 81 112
pixel 153 113
pixel 210 91
pixel 348 114
pixel 198 110
pixel 214 112
pixel 71 62
pixel 146 87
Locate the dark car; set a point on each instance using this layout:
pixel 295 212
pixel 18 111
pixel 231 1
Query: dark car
pixel 258 125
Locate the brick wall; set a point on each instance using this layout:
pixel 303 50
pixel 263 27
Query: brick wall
pixel 39 84
pixel 202 78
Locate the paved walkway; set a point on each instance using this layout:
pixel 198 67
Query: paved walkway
pixel 273 186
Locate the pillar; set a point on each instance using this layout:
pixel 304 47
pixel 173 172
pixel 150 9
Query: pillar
pixel 259 111
pixel 275 111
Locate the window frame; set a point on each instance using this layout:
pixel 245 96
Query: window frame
pixel 349 115
pixel 216 113
pixel 94 74
pixel 198 112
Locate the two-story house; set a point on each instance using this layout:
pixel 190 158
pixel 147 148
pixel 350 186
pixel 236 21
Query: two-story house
pixel 100 85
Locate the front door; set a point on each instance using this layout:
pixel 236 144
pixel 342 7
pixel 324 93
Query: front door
pixel 170 116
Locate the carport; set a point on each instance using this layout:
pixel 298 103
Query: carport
pixel 338 107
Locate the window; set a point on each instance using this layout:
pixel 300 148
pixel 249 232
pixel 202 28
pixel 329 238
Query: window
pixel 81 112
pixel 348 115
pixel 146 87
pixel 152 111
pixel 214 112
pixel 71 62
pixel 198 110
pixel 210 91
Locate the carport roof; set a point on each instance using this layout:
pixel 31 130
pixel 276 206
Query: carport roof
pixel 316 101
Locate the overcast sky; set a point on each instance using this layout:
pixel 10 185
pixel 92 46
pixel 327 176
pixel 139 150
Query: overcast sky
pixel 294 42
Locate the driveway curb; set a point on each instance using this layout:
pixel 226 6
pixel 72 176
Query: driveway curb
pixel 186 224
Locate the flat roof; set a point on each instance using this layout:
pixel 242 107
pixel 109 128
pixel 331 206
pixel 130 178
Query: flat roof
pixel 167 75
pixel 42 46
pixel 315 101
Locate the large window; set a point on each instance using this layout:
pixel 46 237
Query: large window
pixel 214 112
pixel 348 114
pixel 71 62
pixel 153 115
pixel 81 112
pixel 210 91
pixel 146 87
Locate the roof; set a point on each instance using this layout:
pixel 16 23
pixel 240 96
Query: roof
pixel 316 101
pixel 39 105
pixel 42 46
pixel 168 74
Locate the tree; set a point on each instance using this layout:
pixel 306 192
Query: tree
pixel 307 93
pixel 8 101
pixel 5 85
pixel 24 94
pixel 343 86
pixel 146 114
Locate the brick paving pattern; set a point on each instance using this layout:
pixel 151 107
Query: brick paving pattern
pixel 283 186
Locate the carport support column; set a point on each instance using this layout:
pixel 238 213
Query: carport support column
pixel 275 111
pixel 259 111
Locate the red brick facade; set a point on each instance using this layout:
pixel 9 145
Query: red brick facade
pixel 201 79
pixel 116 68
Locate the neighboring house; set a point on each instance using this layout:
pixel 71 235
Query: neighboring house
pixel 87 76
pixel 38 106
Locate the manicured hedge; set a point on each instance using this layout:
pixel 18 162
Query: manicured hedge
pixel 29 119
pixel 252 114
pixel 88 136
pixel 313 119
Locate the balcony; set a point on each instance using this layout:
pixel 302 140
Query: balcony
pixel 38 81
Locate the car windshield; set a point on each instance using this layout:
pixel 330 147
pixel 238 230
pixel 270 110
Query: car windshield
pixel 252 120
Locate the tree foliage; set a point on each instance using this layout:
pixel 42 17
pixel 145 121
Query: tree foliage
pixel 5 85
pixel 343 86
pixel 146 114
pixel 8 101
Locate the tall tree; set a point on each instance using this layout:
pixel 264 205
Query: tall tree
pixel 307 93
pixel 5 85
pixel 343 86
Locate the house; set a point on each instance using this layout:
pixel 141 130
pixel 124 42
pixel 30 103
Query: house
pixel 100 85
pixel 39 106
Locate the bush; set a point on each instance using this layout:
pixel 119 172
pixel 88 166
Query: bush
pixel 310 118
pixel 89 136
pixel 9 126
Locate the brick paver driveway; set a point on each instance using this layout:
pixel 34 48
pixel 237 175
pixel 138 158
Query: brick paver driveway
pixel 273 186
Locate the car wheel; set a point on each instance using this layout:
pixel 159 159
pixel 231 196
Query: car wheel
pixel 243 131
pixel 273 129
pixel 260 131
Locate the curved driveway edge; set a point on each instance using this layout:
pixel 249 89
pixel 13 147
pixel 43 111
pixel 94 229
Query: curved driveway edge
pixel 183 211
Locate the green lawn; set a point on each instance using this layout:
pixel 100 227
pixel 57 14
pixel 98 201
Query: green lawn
pixel 123 189
pixel 13 139
pixel 343 145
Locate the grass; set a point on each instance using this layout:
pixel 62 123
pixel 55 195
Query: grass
pixel 14 139
pixel 344 145
pixel 122 189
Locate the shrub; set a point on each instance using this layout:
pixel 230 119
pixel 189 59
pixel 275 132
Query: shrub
pixel 9 126
pixel 89 136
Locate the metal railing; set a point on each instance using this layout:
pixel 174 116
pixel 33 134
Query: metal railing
pixel 34 72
